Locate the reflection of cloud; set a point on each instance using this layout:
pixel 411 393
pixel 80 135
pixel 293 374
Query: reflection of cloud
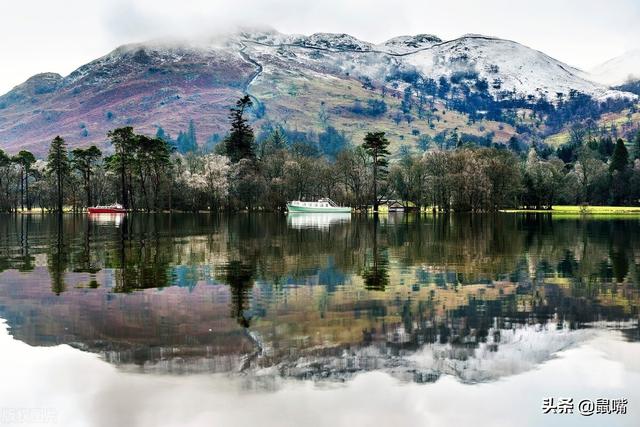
pixel 518 350
pixel 580 32
pixel 83 390
pixel 615 351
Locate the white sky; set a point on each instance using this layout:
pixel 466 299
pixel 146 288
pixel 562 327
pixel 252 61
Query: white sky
pixel 59 36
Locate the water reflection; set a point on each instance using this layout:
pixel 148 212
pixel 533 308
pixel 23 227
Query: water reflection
pixel 204 292
pixel 375 272
pixel 100 395
pixel 240 278
pixel 107 218
pixel 322 221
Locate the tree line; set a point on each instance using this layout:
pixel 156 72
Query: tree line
pixel 148 174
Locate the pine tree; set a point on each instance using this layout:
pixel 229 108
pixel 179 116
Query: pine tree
pixel 25 159
pixel 620 157
pixel 240 144
pixel 84 160
pixel 376 146
pixel 606 147
pixel 275 142
pixel 636 147
pixel 181 142
pixel 514 144
pixel 278 140
pixel 58 166
pixel 192 143
pixel 124 142
pixel 161 134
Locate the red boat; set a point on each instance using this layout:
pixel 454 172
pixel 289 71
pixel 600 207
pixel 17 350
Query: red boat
pixel 114 208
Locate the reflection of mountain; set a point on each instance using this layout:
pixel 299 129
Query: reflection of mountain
pixel 299 300
pixel 506 352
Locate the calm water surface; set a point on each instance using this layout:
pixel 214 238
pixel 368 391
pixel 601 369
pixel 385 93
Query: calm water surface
pixel 316 319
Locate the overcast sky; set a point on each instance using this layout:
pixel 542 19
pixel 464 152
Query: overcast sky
pixel 59 36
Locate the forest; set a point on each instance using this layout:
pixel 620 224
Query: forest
pixel 243 172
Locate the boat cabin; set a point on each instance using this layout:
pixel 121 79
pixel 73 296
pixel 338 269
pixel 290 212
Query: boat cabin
pixel 321 203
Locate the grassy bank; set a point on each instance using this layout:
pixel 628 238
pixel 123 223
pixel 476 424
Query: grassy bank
pixel 583 210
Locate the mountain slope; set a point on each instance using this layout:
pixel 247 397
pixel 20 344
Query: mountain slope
pixel 618 70
pixel 304 82
pixel 138 85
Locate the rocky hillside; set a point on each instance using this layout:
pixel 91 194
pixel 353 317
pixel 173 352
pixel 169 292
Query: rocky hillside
pixel 410 86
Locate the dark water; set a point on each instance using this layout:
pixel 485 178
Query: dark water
pixel 318 320
pixel 311 295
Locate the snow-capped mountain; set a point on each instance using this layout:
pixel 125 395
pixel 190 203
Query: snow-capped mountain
pixel 618 70
pixel 519 69
pixel 304 82
pixel 408 44
pixel 506 65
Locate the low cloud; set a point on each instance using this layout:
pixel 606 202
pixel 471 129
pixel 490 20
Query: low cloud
pixel 44 36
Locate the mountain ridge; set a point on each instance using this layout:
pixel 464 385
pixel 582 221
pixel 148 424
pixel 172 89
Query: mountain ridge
pixel 165 83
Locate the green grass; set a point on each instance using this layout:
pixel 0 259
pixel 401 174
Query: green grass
pixel 584 210
pixel 557 139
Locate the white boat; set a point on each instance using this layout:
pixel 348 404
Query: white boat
pixel 322 205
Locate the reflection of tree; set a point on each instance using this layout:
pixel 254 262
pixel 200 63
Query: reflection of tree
pixel 145 258
pixel 621 245
pixel 568 265
pixel 376 271
pixel 26 259
pixel 82 252
pixel 121 284
pixel 240 278
pixel 456 278
pixel 58 259
pixel 620 264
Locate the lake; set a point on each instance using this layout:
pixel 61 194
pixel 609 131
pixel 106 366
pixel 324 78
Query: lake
pixel 317 319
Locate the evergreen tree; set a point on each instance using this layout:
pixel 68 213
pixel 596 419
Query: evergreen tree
pixel 514 144
pixel 192 143
pixel 25 159
pixel 606 147
pixel 275 142
pixel 443 87
pixel 124 142
pixel 161 134
pixel 278 140
pixel 181 142
pixel 240 144
pixel 636 147
pixel 58 167
pixel 186 142
pixel 620 157
pixel 376 146
pixel 152 159
pixel 407 100
pixel 84 160
pixel 332 142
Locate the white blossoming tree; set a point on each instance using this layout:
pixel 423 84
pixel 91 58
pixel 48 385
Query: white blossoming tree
pixel 207 178
pixel 215 174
